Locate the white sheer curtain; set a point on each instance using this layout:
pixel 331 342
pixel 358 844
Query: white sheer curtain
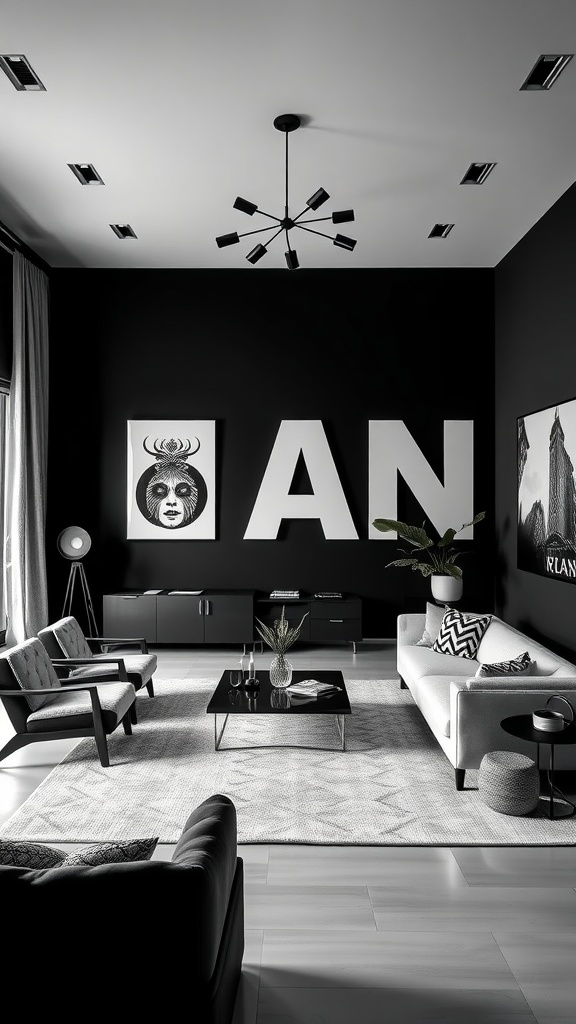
pixel 27 457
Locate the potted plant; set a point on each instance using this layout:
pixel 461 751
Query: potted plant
pixel 435 558
pixel 280 638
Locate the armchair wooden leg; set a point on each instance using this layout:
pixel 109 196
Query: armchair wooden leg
pixel 150 688
pixel 13 744
pixel 459 774
pixel 126 722
pixel 403 685
pixel 133 715
pixel 102 745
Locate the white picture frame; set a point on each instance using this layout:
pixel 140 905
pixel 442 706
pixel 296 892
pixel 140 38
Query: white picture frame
pixel 171 480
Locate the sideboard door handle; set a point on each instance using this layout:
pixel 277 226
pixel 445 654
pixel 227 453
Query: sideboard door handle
pixel 207 607
pixel 336 620
pixel 199 607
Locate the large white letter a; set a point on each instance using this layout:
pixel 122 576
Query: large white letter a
pixel 274 502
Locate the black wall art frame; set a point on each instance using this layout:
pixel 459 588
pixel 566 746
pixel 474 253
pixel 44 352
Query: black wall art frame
pixel 547 492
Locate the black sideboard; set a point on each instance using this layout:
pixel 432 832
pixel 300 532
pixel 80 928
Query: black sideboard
pixel 212 617
pixel 227 616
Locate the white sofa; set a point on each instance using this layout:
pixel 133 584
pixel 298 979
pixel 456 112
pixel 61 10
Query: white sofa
pixel 464 711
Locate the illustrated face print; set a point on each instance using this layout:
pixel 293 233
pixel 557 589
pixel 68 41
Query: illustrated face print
pixel 171 497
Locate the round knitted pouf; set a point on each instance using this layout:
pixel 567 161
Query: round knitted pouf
pixel 509 782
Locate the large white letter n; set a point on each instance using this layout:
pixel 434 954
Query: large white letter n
pixel 274 502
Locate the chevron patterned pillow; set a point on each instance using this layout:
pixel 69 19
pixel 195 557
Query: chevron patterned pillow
pixel 460 634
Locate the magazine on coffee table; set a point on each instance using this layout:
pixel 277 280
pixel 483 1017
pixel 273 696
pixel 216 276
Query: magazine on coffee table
pixel 312 688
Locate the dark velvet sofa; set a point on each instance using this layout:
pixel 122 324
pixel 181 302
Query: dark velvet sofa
pixel 148 939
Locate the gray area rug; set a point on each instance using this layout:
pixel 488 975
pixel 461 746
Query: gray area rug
pixel 392 786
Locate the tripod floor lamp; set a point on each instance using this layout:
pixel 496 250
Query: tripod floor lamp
pixel 73 543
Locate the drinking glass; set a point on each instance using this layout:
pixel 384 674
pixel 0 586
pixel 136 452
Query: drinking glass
pixel 236 677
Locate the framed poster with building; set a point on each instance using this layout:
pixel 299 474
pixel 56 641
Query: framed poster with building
pixel 171 480
pixel 547 492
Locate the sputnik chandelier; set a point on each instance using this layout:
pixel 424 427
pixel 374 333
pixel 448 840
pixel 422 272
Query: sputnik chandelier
pixel 288 123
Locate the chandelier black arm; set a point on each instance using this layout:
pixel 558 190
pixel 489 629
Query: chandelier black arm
pixel 312 232
pixel 271 215
pixel 313 220
pixel 301 214
pixel 275 236
pixel 259 231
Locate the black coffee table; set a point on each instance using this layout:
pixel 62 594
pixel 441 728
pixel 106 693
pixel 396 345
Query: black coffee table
pixel 521 726
pixel 268 700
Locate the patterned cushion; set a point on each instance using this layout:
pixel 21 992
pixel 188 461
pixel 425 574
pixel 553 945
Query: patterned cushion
pixel 113 853
pixel 459 634
pixel 20 854
pixel 520 666
pixel 33 670
pixel 34 855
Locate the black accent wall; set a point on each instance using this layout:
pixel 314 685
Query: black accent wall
pixel 535 308
pixel 249 348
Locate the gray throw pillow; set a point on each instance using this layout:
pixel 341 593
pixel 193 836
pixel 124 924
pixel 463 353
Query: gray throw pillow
pixel 520 666
pixel 112 853
pixel 20 854
pixel 434 616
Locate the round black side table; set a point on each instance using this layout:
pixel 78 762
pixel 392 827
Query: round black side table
pixel 521 726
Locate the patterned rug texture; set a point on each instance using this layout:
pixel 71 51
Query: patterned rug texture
pixel 392 786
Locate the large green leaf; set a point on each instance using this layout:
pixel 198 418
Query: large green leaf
pixel 450 534
pixel 415 535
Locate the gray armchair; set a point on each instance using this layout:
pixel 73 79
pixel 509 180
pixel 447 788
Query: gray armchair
pixel 42 707
pixel 93 657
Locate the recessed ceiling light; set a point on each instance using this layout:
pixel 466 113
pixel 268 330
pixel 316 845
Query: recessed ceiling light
pixel 440 230
pixel 476 174
pixel 546 70
pixel 123 231
pixel 86 174
pixel 18 69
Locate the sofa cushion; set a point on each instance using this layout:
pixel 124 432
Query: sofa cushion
pixel 71 639
pixel 416 662
pixel 520 666
pixel 434 616
pixel 502 642
pixel 139 667
pixel 460 634
pixel 116 700
pixel 33 670
pixel 21 854
pixel 113 853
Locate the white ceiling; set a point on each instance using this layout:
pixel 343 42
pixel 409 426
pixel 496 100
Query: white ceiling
pixel 173 101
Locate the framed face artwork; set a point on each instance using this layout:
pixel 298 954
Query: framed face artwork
pixel 171 480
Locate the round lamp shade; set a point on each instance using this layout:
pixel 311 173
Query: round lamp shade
pixel 74 542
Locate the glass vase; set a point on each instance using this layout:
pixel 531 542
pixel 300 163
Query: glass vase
pixel 280 671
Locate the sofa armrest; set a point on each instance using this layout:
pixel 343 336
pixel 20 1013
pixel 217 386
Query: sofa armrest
pixel 476 714
pixel 410 627
pixel 520 682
